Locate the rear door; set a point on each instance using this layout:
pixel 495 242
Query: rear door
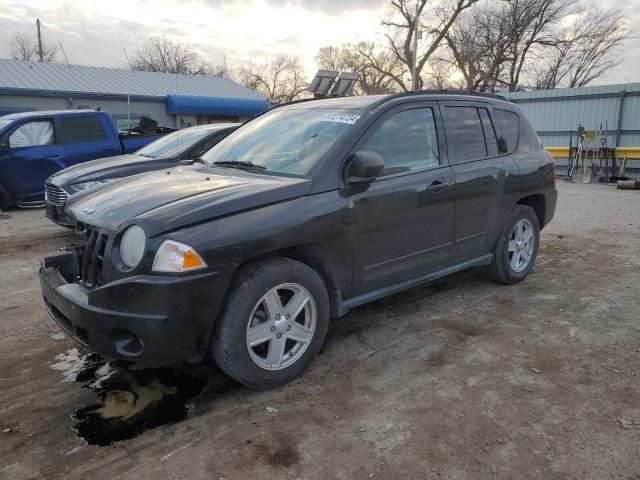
pixel 402 223
pixel 84 138
pixel 33 155
pixel 486 181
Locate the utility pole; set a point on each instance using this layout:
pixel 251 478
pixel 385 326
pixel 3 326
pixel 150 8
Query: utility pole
pixel 40 54
pixel 414 61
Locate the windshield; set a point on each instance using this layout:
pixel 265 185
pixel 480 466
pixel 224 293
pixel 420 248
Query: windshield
pixel 4 122
pixel 174 143
pixel 285 141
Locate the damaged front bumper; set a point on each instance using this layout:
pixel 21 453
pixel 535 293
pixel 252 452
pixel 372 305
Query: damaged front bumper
pixel 150 319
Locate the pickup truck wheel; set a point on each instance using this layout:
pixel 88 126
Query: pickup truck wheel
pixel 273 324
pixel 516 250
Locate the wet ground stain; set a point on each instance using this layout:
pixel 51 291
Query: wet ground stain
pixel 130 401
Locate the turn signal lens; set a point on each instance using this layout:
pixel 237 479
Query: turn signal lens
pixel 176 257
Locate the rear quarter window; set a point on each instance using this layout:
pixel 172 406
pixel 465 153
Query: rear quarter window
pixel 83 129
pixel 528 141
pixel 518 132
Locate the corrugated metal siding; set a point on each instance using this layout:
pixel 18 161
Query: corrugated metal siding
pixel 552 111
pixel 571 92
pixel 566 115
pixel 109 81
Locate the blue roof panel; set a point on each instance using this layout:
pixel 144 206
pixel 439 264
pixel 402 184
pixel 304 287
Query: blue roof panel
pixel 215 105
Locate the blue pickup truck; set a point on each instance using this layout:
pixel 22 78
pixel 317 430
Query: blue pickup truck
pixel 35 145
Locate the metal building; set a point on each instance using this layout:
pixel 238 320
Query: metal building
pixel 557 113
pixel 172 100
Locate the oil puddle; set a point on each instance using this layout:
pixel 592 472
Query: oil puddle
pixel 129 401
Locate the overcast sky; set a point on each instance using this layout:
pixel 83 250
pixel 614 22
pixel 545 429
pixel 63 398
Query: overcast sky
pixel 95 32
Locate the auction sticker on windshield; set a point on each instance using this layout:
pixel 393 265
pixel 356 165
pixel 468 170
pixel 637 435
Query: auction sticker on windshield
pixel 340 117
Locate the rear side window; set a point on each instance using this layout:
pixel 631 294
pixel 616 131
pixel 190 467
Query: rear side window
pixel 80 130
pixel 509 124
pixel 407 141
pixel 489 132
pixel 465 138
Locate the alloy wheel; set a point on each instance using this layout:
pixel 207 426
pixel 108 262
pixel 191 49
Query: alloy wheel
pixel 281 326
pixel 521 245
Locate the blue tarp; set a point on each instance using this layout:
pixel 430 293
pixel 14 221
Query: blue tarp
pixel 215 105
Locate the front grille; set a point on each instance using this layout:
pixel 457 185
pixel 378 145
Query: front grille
pixel 55 195
pixel 92 259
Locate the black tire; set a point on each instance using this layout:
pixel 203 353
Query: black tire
pixel 229 344
pixel 500 269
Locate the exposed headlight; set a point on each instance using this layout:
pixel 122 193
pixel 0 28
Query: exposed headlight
pixel 132 246
pixel 78 187
pixel 176 257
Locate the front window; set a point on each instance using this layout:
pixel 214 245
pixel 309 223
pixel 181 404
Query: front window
pixel 32 134
pixel 285 141
pixel 173 144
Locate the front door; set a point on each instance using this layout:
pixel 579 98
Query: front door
pixel 32 157
pixel 402 223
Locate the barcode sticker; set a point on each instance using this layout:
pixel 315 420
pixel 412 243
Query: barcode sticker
pixel 340 117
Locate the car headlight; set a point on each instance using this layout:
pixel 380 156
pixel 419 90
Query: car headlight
pixel 132 246
pixel 78 187
pixel 176 257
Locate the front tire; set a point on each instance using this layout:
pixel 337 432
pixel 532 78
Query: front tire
pixel 516 250
pixel 273 323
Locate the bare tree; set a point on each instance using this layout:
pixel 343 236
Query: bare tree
pixel 161 54
pixel 531 25
pixel 281 80
pixel 374 64
pixel 478 45
pixel 436 18
pixel 25 48
pixel 584 50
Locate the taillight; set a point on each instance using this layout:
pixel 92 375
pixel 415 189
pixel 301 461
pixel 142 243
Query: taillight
pixel 553 167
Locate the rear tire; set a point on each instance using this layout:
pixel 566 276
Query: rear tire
pixel 273 323
pixel 516 250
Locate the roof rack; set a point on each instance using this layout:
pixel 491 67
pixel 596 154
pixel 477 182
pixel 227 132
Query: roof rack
pixel 440 92
pixel 455 92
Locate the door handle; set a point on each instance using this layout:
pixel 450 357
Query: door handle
pixel 437 186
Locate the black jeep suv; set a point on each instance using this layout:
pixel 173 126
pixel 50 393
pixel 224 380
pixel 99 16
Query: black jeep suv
pixel 299 215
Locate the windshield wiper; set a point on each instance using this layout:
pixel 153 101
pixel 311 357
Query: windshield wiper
pixel 242 164
pixel 198 160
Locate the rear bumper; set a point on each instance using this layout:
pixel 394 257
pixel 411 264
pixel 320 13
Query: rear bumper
pixel 57 214
pixel 152 320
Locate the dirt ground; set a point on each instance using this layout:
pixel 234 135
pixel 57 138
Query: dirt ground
pixel 463 379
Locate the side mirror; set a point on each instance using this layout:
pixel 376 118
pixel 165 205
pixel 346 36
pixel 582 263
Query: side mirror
pixel 365 167
pixel 502 145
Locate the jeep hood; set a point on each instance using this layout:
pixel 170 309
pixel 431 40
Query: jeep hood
pixel 169 199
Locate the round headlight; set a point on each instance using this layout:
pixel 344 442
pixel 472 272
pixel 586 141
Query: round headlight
pixel 132 246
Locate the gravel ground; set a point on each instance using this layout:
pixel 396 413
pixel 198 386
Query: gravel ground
pixel 462 379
